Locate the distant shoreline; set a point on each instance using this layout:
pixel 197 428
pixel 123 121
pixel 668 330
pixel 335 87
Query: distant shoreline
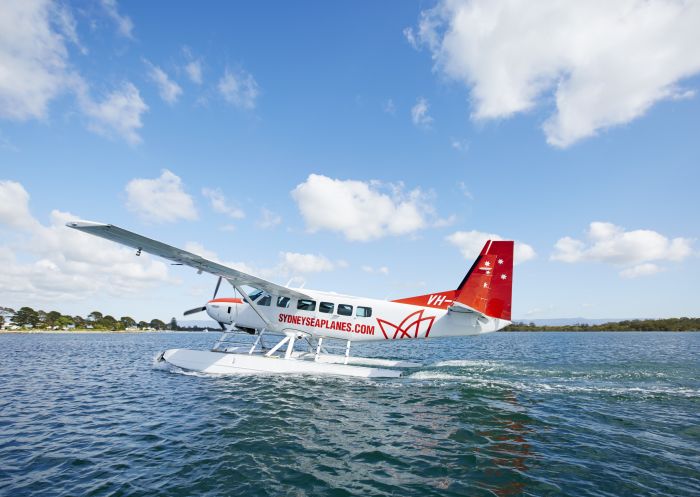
pixel 82 331
pixel 505 330
pixel 560 330
pixel 669 324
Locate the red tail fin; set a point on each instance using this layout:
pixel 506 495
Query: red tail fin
pixel 488 286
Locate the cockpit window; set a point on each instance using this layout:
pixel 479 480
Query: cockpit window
pixel 265 300
pixel 255 295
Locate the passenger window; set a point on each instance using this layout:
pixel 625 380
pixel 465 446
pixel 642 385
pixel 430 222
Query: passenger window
pixel 265 300
pixel 282 301
pixel 326 307
pixel 364 312
pixel 306 305
pixel 344 310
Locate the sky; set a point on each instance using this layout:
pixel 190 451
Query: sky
pixel 367 148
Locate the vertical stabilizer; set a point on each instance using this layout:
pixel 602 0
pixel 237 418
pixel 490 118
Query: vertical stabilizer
pixel 488 286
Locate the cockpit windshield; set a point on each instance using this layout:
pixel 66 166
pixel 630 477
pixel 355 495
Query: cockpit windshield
pixel 255 295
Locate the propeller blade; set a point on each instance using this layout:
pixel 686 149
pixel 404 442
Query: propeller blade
pixel 194 311
pixel 216 290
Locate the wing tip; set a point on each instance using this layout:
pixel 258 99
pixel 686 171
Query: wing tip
pixel 82 224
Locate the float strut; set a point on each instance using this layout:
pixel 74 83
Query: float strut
pixel 276 347
pixel 257 341
pixel 318 349
pixel 290 347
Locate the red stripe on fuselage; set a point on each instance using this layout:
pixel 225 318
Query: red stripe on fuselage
pixel 226 301
pixel 437 300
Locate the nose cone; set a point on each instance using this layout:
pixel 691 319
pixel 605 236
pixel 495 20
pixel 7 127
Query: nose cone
pixel 223 310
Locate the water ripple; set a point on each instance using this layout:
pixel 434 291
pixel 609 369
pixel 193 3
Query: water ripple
pixel 509 414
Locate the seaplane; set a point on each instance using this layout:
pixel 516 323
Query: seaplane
pixel 305 323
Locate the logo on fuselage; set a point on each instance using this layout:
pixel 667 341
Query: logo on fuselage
pixel 413 326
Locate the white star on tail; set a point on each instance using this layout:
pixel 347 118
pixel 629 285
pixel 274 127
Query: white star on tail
pixel 500 261
pixel 486 285
pixel 503 276
pixel 487 263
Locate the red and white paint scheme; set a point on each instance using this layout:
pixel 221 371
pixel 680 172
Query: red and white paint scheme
pixel 481 303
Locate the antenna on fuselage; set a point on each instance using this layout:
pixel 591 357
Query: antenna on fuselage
pixel 296 278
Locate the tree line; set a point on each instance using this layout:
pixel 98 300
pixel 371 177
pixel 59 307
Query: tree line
pixel 671 324
pixel 26 317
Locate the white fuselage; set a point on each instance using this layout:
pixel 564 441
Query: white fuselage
pixel 331 315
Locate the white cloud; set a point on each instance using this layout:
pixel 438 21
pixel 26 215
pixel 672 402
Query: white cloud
pixel 289 263
pixel 199 249
pixel 162 199
pixel 460 145
pixel 119 113
pixel 220 204
pixel 612 244
pixel 410 37
pixel 445 221
pixel 268 219
pixel 14 207
pixel 125 26
pixel 239 89
pixel 465 191
pixel 168 90
pixel 194 71
pixel 294 262
pixel 419 113
pixel 33 58
pixel 35 69
pixel 645 269
pixel 381 270
pixel 605 63
pixel 389 107
pixel 361 211
pixel 64 20
pixel 470 244
pixel 52 263
pixel 193 68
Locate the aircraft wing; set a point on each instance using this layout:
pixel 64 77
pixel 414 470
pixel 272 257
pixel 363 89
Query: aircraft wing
pixel 179 256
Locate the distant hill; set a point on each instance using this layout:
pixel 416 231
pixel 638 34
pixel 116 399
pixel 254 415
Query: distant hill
pixel 671 324
pixel 568 321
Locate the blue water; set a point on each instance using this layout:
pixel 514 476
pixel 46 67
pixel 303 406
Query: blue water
pixel 503 414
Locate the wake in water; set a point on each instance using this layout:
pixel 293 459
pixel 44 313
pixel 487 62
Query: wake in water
pixel 488 374
pixel 495 375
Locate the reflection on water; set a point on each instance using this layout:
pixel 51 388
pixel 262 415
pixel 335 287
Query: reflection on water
pixel 507 414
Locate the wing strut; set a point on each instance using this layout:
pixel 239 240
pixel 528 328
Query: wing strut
pixel 267 322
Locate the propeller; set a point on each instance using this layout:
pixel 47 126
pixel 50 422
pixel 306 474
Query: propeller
pixel 216 290
pixel 195 310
